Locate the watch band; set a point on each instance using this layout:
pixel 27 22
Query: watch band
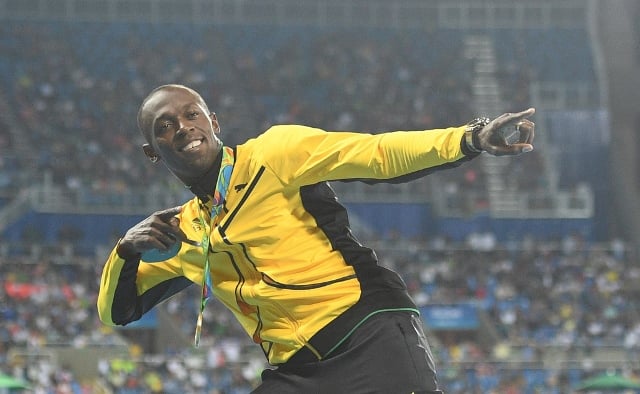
pixel 471 133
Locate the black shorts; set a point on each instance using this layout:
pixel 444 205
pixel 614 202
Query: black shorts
pixel 387 354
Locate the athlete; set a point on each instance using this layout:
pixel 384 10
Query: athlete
pixel 266 236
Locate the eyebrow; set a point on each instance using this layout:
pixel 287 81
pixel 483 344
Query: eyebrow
pixel 166 115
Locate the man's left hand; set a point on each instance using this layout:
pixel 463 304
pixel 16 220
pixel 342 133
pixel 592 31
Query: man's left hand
pixel 496 137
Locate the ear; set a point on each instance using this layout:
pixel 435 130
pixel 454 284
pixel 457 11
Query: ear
pixel 150 153
pixel 214 123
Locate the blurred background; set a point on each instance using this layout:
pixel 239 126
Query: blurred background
pixel 526 269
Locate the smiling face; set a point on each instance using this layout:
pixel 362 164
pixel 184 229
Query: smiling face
pixel 180 131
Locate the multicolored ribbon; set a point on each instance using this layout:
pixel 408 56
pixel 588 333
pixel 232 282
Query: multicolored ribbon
pixel 219 196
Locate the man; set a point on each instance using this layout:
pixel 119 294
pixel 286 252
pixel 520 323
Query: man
pixel 266 235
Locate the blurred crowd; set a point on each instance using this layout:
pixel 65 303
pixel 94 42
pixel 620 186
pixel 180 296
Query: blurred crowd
pixel 70 93
pixel 69 97
pixel 568 295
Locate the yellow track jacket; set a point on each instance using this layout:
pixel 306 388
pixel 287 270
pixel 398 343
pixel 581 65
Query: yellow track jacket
pixel 283 258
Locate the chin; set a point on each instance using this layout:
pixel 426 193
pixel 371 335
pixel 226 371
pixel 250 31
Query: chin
pixel 201 168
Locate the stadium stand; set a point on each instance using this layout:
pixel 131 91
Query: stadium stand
pixel 559 312
pixel 552 300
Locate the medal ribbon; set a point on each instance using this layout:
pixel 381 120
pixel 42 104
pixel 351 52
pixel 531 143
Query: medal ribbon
pixel 219 196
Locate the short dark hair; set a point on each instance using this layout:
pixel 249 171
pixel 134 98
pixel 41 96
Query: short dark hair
pixel 172 86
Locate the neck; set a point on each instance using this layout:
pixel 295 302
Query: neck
pixel 204 187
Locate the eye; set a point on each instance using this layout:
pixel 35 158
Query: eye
pixel 193 114
pixel 163 126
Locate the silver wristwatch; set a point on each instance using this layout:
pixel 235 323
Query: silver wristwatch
pixel 471 133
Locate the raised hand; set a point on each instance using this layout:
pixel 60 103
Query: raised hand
pixel 494 138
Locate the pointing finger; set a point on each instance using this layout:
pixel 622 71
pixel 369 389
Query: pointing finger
pixel 512 118
pixel 168 213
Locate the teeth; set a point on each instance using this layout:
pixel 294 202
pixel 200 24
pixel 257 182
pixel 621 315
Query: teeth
pixel 192 145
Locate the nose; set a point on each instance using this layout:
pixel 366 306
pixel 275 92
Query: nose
pixel 184 128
